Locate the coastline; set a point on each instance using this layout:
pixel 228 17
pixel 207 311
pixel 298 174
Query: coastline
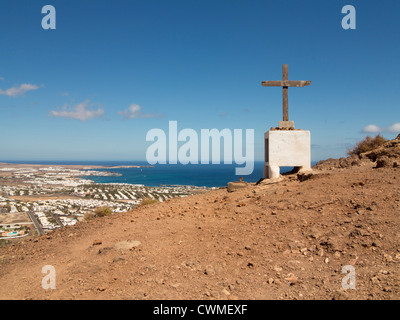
pixel 140 172
pixel 48 197
pixel 70 166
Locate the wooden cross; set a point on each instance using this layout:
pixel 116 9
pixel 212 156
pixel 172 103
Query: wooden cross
pixel 285 84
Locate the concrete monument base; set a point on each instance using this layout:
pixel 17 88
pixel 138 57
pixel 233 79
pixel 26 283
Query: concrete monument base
pixel 286 148
pixel 286 124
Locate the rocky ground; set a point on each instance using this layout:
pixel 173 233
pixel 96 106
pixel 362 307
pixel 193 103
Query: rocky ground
pixel 284 240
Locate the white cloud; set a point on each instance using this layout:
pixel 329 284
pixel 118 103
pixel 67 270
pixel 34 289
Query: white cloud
pixel 372 128
pixel 18 91
pixel 394 128
pixel 134 111
pixel 81 112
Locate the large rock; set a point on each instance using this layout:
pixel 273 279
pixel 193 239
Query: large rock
pixel 270 181
pixel 390 149
pixel 338 163
pixel 233 186
pixel 310 174
pixel 384 162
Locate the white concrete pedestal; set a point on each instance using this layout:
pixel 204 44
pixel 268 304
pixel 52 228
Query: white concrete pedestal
pixel 286 148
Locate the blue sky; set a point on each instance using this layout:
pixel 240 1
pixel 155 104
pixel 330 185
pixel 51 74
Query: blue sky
pixel 112 70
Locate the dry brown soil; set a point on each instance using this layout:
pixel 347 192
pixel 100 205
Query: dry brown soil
pixel 288 240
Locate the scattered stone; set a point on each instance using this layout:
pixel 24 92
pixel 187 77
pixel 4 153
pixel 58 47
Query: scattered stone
pixel 388 257
pixel 226 292
pixel 210 271
pixel 377 244
pixel 118 258
pixel 292 279
pixel 375 280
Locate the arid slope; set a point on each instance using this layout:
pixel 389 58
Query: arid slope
pixel 287 240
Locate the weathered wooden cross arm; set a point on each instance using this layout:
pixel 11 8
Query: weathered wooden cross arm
pixel 299 84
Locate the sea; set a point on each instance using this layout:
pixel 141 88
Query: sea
pixel 201 175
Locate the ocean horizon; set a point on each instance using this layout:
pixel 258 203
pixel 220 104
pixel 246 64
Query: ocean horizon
pixel 201 175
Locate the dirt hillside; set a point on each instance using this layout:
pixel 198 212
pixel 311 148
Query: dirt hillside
pixel 286 240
